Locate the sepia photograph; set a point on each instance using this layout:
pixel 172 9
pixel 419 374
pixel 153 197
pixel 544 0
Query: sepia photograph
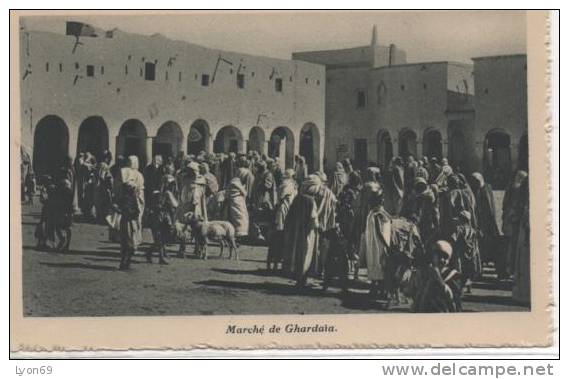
pixel 274 163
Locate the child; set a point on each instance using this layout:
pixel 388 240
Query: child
pixel 437 286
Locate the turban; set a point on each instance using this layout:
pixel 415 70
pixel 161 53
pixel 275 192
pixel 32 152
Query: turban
pixel 311 185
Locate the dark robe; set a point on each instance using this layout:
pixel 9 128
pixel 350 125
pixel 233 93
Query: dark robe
pixel 486 217
pixel 263 195
pixel 394 188
pixel 228 170
pixel 437 291
pixel 299 225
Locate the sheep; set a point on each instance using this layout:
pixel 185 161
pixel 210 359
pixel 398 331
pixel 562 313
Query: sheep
pixel 219 231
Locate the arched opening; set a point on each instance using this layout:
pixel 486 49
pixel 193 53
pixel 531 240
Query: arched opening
pixel 407 143
pixel 433 144
pixel 457 152
pixel 51 145
pixel 132 141
pixel 281 146
pixel 198 138
pixel 523 155
pixel 497 159
pixel 93 137
pixel 228 140
pixel 309 146
pixel 384 148
pixel 256 140
pixel 168 140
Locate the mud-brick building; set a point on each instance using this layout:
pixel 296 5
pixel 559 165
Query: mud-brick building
pixel 378 105
pixel 501 130
pixel 89 90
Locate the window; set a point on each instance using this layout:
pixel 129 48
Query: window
pixel 166 75
pixel 90 70
pixel 424 85
pixel 361 99
pixel 318 82
pixel 102 70
pixel 126 69
pixel 290 78
pixel 47 66
pixel 402 87
pixel 61 67
pixel 77 65
pixel 253 73
pixel 306 80
pixel 180 76
pixel 278 85
pixel 149 71
pixel 205 80
pixel 240 80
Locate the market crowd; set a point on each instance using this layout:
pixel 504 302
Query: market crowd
pixel 419 227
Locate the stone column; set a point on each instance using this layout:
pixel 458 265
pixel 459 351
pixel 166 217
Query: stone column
pixel 149 141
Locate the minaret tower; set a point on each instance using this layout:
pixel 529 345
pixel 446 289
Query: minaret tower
pixel 374 36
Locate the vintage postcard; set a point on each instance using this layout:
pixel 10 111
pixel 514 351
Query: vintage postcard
pixel 290 179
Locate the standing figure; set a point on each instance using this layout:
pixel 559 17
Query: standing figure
pixel 235 206
pixel 339 179
pixel 130 198
pixel 521 291
pixel 192 198
pixel 103 187
pixel 466 251
pixel 487 225
pixel 286 194
pixel 152 177
pixel 349 203
pixel 301 232
pixel 162 214
pixel 300 170
pixel 394 187
pixel 512 215
pixel 376 240
pixel 228 170
pixel 63 217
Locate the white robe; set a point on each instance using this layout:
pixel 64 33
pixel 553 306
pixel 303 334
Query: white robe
pixel 375 245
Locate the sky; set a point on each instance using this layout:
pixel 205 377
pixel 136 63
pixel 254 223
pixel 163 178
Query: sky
pixel 425 36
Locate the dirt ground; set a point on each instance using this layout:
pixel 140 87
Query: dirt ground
pixel 86 282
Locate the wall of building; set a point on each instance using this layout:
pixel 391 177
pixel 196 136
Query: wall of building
pixel 500 101
pixel 118 91
pixel 408 97
pixel 362 56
